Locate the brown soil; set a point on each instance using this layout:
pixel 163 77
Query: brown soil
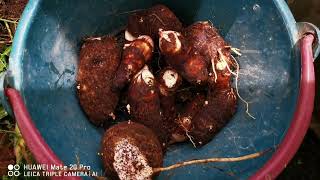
pixel 11 10
pixel 6 153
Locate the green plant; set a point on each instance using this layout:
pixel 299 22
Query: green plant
pixel 4 57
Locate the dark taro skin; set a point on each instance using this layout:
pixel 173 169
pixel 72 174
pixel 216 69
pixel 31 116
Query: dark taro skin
pixel 218 109
pixel 99 59
pixel 137 135
pixel 167 95
pixel 204 38
pixel 179 54
pixel 221 100
pixel 144 101
pixel 134 56
pixel 149 21
pixel 183 123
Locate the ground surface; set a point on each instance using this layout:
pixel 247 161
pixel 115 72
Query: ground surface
pixel 305 165
pixel 10 10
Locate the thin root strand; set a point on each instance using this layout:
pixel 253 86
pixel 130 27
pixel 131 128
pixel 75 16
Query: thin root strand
pixel 234 50
pixel 191 139
pixel 236 74
pixel 187 133
pixel 9 30
pixel 214 70
pixel 210 160
pixel 237 89
pixel 223 58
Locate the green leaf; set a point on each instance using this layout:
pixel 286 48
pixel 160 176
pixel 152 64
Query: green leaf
pixel 3 58
pixel 3 113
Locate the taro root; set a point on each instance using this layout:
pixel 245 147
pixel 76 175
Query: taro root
pixel 221 101
pixel 144 101
pixel 99 59
pixel 205 39
pixel 135 55
pixel 184 121
pixel 149 21
pixel 190 64
pixel 168 81
pixel 219 107
pixel 130 151
pixel 190 54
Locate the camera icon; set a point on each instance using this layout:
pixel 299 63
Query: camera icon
pixel 13 170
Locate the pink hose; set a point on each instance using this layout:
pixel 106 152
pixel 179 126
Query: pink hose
pixel 301 118
pixel 38 147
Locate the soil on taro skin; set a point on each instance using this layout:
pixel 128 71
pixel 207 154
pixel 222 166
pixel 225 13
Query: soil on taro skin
pixel 305 164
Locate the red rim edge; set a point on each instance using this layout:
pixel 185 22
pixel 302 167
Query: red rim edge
pixel 301 118
pixel 37 145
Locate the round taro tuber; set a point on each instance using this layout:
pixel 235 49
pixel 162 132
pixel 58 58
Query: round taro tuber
pixel 99 59
pixel 149 21
pixel 144 101
pixel 135 55
pixel 190 64
pixel 205 39
pixel 130 151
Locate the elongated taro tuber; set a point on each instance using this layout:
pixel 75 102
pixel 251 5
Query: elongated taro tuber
pixel 221 100
pixel 168 81
pixel 149 21
pixel 220 106
pixel 135 55
pixel 178 54
pixel 144 101
pixel 130 151
pixel 99 59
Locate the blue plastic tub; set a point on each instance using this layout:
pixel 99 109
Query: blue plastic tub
pixel 44 60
